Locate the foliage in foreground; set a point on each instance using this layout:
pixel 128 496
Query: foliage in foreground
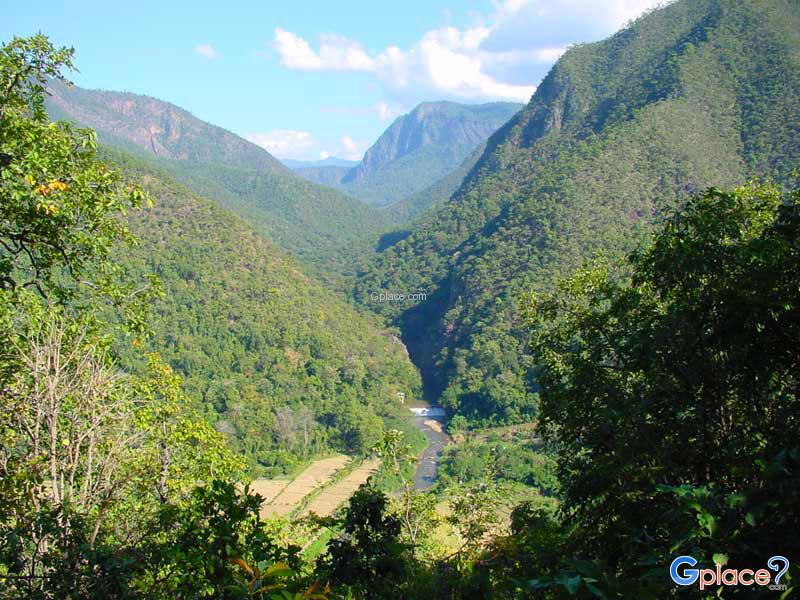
pixel 99 469
pixel 670 388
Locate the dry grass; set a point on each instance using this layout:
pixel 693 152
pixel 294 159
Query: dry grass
pixel 332 498
pixel 289 495
pixel 269 489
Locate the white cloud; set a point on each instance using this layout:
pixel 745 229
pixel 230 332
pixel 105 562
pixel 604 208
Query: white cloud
pixel 301 145
pixel 446 61
pixel 615 12
pixel 528 24
pixel 353 150
pixel 335 53
pixel 206 50
pixel 285 143
pixel 500 58
pixel 384 111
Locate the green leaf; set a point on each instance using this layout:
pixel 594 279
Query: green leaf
pixel 572 584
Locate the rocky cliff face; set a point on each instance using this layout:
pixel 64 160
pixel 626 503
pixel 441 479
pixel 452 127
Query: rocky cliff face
pixel 155 126
pixel 454 129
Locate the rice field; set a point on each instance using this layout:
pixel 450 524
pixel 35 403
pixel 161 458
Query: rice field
pixel 331 498
pixel 282 496
pixel 268 489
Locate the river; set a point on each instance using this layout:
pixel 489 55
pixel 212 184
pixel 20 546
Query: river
pixel 425 475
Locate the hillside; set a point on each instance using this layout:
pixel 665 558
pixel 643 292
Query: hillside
pixel 159 127
pixel 306 219
pixel 441 190
pixel 697 94
pixel 280 366
pixel 418 149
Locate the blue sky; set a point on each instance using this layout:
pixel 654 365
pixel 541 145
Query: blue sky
pixel 312 79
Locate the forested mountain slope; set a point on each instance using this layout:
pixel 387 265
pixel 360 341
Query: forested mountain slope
pixel 699 93
pixel 307 219
pixel 415 205
pixel 420 148
pixel 276 362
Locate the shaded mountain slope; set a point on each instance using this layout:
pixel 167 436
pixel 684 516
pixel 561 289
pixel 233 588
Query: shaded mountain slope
pixel 415 205
pixel 697 94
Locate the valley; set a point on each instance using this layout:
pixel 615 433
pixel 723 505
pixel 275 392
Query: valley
pixel 453 345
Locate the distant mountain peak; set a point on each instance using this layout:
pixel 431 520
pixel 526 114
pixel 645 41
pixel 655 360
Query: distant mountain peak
pixel 415 151
pixel 331 161
pixel 448 127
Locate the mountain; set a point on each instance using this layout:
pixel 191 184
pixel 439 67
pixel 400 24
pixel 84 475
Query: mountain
pixel 698 93
pixel 306 219
pixel 420 148
pixel 331 161
pixel 264 350
pixel 330 175
pixel 161 128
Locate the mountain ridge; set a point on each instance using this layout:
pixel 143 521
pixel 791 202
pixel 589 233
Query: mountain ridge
pixel 304 218
pixel 155 125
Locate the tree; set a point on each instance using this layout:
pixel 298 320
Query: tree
pixel 89 455
pixel 216 546
pixel 670 387
pixel 76 414
pixel 368 556
pixel 416 510
pixel 60 208
pixel 95 451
